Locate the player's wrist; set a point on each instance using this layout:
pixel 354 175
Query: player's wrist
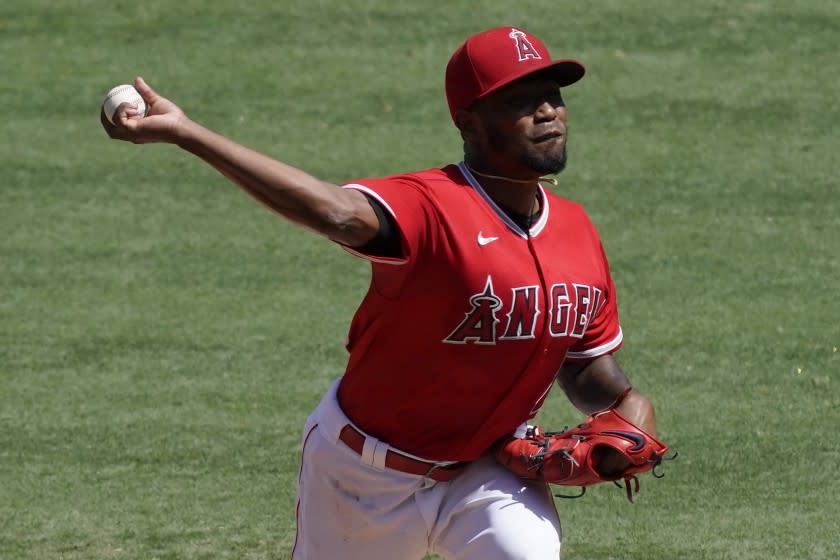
pixel 638 409
pixel 187 134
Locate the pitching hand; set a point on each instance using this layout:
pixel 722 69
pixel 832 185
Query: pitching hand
pixel 161 124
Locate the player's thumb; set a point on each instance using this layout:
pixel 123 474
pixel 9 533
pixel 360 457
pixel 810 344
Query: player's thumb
pixel 146 92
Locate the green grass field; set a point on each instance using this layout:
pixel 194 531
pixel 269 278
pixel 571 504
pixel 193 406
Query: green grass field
pixel 162 337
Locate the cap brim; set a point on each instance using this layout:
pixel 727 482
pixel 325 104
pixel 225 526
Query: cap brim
pixel 567 72
pixel 564 72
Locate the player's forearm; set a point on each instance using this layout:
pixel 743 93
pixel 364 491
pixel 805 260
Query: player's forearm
pixel 601 384
pixel 593 386
pixel 298 196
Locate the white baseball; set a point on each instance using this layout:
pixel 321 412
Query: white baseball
pixel 123 94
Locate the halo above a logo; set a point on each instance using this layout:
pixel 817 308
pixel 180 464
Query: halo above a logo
pixel 524 48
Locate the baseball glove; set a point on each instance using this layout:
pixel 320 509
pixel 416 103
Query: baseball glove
pixel 571 457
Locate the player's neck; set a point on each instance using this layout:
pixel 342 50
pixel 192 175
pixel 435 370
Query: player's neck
pixel 511 179
pixel 517 195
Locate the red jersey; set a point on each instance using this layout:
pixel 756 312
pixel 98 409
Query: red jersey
pixel 459 342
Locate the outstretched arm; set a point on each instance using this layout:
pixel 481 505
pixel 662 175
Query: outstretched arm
pixel 342 215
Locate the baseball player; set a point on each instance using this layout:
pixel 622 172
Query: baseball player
pixel 486 289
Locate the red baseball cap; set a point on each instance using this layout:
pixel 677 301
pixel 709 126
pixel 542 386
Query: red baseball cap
pixel 496 57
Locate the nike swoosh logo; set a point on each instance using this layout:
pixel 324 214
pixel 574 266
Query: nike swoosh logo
pixel 638 441
pixel 485 240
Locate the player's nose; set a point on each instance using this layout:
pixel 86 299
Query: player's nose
pixel 548 111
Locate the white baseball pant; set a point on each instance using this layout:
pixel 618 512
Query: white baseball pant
pixel 352 507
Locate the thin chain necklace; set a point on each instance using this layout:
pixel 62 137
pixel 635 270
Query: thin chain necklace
pixel 535 204
pixel 549 180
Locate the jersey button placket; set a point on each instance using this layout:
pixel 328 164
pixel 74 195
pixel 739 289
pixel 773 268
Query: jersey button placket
pixel 545 341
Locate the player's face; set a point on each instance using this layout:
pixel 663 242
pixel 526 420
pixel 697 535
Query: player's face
pixel 525 126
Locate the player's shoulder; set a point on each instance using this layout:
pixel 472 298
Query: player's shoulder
pixel 422 178
pixel 424 181
pixel 569 209
pixel 432 177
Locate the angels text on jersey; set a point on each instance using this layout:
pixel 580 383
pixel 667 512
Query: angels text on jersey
pixel 490 319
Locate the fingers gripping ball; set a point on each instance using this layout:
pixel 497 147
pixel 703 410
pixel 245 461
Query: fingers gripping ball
pixel 123 94
pixel 571 457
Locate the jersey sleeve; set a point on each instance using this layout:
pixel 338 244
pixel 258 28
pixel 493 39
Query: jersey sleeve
pixel 410 208
pixel 603 332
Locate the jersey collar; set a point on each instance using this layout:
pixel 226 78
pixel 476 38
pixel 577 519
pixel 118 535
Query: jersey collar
pixel 536 228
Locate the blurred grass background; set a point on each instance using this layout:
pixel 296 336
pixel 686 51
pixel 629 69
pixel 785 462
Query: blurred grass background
pixel 162 338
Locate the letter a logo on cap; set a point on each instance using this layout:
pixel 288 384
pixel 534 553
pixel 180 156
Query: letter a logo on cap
pixel 523 46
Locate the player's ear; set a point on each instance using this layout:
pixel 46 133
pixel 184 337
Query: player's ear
pixel 469 124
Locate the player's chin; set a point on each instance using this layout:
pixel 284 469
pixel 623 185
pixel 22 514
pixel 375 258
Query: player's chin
pixel 548 162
